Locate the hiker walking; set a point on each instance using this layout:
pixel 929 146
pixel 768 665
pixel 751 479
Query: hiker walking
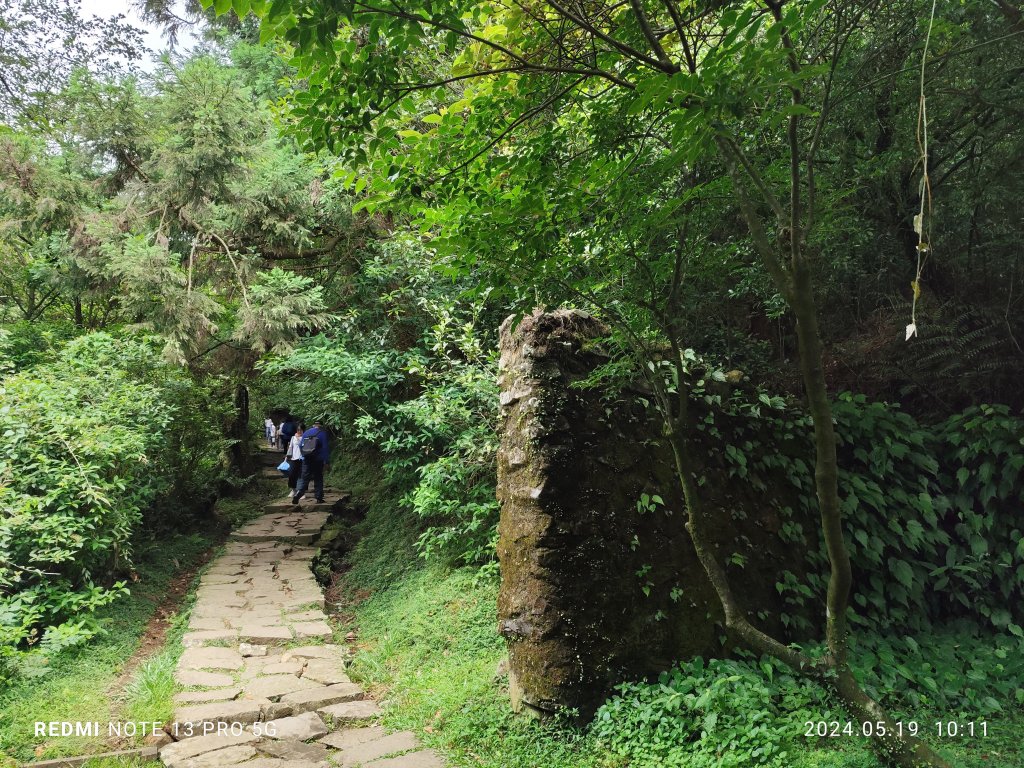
pixel 287 433
pixel 270 431
pixel 315 457
pixel 295 456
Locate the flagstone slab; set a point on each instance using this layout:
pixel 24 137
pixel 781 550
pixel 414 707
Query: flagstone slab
pixel 174 753
pixel 221 757
pixel 290 749
pixel 352 711
pixel 326 671
pixel 200 623
pixel 322 696
pixel 274 686
pixel 312 629
pixel 266 762
pixel 347 738
pixel 216 578
pixel 197 678
pixel 254 633
pixel 241 711
pixel 211 658
pixel 403 741
pixel 298 728
pixel 313 615
pixel 337 653
pixel 198 697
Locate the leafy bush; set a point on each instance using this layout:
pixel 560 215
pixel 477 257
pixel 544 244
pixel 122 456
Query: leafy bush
pixel 717 713
pixel 428 405
pixel 742 712
pixel 931 513
pixel 982 473
pixel 92 441
pixel 958 670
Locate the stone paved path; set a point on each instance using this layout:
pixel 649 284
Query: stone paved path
pixel 262 685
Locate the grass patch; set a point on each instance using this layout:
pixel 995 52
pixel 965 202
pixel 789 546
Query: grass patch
pixel 121 762
pixel 76 685
pixel 238 510
pixel 149 695
pixel 385 550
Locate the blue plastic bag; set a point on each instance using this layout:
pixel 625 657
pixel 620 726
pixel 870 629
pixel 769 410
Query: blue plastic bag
pixel 284 466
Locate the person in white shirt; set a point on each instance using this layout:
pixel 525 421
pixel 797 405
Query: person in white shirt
pixel 280 437
pixel 271 431
pixel 294 456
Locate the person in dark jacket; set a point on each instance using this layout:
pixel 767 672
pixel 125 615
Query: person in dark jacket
pixel 313 464
pixel 287 433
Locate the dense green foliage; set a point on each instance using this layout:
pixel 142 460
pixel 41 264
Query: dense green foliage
pixel 410 371
pixel 102 438
pixel 330 207
pixel 931 511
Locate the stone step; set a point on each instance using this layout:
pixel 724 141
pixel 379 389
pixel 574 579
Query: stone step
pixel 333 500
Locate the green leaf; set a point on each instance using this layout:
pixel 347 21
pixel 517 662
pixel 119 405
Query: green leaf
pixel 903 572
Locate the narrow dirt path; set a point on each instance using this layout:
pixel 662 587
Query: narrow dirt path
pixel 263 685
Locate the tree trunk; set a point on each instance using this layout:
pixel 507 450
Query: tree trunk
pixel 241 455
pixel 904 751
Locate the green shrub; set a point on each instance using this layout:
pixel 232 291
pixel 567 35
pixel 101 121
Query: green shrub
pixel 93 441
pixel 958 670
pixel 719 713
pixel 932 513
pixel 981 452
pixel 430 411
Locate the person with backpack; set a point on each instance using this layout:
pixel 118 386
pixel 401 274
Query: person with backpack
pixel 315 458
pixel 294 456
pixel 287 433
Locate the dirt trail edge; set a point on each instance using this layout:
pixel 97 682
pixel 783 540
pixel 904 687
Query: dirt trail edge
pixel 263 685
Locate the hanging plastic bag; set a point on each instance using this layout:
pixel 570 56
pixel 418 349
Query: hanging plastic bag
pixel 284 466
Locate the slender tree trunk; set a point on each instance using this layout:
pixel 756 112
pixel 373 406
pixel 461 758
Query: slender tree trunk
pixel 241 455
pixel 904 751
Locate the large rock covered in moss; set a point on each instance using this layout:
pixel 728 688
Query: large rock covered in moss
pixel 596 587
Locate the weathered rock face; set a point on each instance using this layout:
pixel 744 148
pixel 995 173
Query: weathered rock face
pixel 594 587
